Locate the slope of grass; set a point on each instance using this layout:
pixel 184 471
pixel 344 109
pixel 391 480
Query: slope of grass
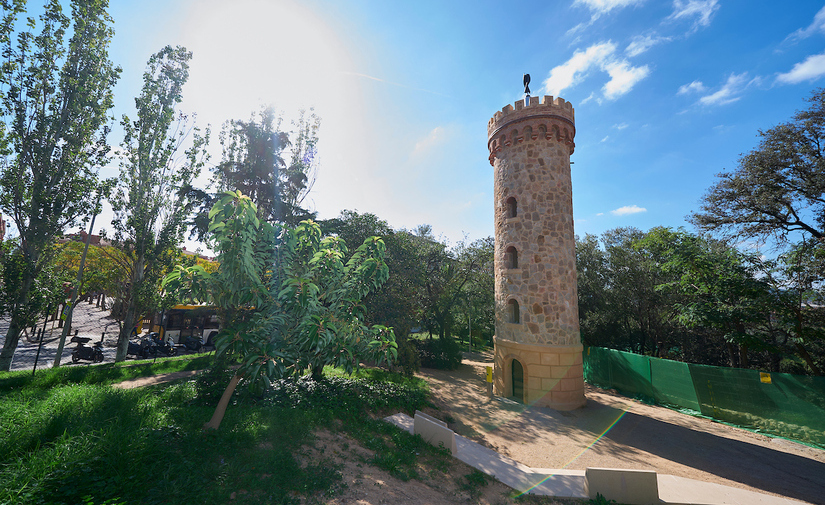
pixel 67 437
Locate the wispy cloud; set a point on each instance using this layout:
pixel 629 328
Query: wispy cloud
pixel 605 138
pixel 365 76
pixel 436 136
pixel 812 68
pixel 620 126
pixel 694 87
pixel 729 92
pixel 600 7
pixel 818 25
pixel 623 76
pixel 628 209
pixel 642 43
pixel 699 12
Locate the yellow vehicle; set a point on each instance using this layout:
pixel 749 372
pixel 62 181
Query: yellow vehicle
pixel 184 321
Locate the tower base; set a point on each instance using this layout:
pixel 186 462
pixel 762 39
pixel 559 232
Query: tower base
pixel 551 375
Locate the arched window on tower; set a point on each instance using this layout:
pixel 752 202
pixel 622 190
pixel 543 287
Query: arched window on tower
pixel 511 257
pixel 513 312
pixel 511 207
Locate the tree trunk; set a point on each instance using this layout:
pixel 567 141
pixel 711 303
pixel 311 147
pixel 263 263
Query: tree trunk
pixel 15 325
pixel 220 410
pixel 803 353
pixel 9 345
pixel 317 372
pixel 743 356
pixel 130 320
pixel 733 355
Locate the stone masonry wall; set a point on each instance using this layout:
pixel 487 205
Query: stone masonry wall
pixel 530 152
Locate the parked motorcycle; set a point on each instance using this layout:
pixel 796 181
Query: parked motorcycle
pixel 193 343
pixel 83 351
pixel 161 346
pixel 140 349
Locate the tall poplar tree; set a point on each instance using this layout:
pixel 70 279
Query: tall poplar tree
pixel 55 92
pixel 151 201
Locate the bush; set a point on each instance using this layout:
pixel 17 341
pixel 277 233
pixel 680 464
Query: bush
pixel 408 360
pixel 442 354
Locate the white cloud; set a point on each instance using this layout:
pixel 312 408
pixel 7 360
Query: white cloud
pixel 628 209
pixel 812 68
pixel 605 138
pixel 573 70
pixel 620 126
pixel 600 214
pixel 694 87
pixel 591 96
pixel 434 138
pixel 641 44
pixel 599 7
pixel 734 86
pixel 623 77
pixel 818 25
pixel 700 11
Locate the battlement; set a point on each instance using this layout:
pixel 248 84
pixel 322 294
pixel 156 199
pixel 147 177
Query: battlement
pixel 548 119
pixel 534 106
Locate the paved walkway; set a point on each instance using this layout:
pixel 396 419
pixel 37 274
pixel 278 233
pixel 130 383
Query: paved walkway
pixel 571 483
pixel 617 432
pixel 89 321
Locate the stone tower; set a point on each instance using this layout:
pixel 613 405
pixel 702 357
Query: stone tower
pixel 538 351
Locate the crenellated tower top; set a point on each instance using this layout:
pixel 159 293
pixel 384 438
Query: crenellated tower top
pixel 531 118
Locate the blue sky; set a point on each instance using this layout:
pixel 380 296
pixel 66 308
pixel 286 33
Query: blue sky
pixel 667 93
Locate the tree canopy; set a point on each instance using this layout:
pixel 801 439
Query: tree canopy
pixel 151 202
pixel 779 187
pixel 56 92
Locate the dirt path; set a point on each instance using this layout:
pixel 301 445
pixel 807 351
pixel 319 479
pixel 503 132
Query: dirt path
pixel 643 437
pixel 154 379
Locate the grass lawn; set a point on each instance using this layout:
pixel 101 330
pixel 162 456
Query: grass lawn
pixel 68 437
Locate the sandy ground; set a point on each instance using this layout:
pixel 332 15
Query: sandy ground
pixel 618 432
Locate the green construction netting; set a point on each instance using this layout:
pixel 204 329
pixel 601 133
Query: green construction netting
pixel 791 406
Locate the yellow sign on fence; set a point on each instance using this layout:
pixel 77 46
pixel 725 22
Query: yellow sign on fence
pixel 489 374
pixel 765 377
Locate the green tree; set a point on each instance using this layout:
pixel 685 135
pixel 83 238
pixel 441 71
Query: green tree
pixel 779 187
pixel 398 303
pixel 151 203
pixel 55 97
pixel 478 302
pixel 796 279
pixel 48 286
pixel 275 168
pixel 290 300
pixel 712 286
pixel 598 322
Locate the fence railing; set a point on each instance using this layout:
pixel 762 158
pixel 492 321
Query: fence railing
pixel 791 406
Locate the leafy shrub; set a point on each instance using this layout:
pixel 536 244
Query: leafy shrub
pixel 343 394
pixel 408 360
pixel 439 353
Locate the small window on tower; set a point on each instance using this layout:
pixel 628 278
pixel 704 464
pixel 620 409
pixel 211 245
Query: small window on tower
pixel 512 207
pixel 513 312
pixel 511 257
